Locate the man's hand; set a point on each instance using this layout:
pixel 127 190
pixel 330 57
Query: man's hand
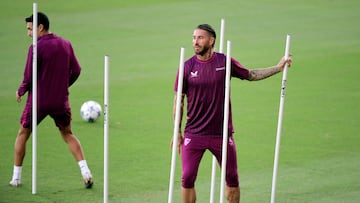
pixel 18 97
pixel 180 141
pixel 284 61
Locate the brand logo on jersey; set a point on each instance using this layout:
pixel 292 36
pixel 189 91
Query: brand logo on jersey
pixel 231 142
pixel 187 141
pixel 194 74
pixel 220 68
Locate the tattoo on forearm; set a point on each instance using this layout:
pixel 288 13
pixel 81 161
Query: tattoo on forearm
pixel 262 73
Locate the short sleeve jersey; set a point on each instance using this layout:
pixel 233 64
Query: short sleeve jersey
pixel 204 87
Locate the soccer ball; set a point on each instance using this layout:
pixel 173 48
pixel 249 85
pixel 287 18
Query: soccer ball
pixel 90 111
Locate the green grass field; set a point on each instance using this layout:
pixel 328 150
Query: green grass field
pixel 320 153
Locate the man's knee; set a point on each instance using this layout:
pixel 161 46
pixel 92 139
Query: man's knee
pixel 232 179
pixel 24 133
pixel 188 179
pixel 65 130
pixel 233 194
pixel 188 195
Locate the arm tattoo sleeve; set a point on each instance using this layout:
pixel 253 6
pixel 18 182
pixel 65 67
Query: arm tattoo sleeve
pixel 262 73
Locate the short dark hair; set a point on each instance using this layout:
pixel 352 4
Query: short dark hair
pixel 42 19
pixel 208 29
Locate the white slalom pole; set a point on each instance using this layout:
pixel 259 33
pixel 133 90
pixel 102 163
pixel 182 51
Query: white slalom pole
pixel 214 161
pixel 226 122
pixel 106 127
pixel 281 110
pixel 176 124
pixel 222 32
pixel 34 98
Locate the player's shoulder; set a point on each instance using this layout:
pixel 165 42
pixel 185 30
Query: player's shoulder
pixel 60 38
pixel 219 55
pixel 190 61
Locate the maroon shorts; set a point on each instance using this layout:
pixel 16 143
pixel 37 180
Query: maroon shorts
pixel 61 116
pixel 193 149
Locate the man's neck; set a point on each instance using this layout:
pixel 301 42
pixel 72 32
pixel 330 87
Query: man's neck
pixel 44 33
pixel 205 56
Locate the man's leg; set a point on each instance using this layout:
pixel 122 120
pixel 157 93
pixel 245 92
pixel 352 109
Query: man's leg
pixel 73 143
pixel 76 150
pixel 20 145
pixel 188 195
pixel 192 151
pixel 232 179
pixel 233 194
pixel 19 154
pixel 233 188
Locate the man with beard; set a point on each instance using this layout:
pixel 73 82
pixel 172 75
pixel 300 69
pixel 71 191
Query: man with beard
pixel 204 88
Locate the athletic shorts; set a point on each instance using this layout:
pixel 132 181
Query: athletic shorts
pixel 61 116
pixel 193 149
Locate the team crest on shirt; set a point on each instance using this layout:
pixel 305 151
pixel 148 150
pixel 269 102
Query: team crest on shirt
pixel 194 74
pixel 187 141
pixel 231 142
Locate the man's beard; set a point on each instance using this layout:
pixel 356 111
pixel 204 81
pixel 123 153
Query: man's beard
pixel 202 52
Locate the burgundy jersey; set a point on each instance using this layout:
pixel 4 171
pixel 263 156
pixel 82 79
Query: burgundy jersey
pixel 57 67
pixel 204 87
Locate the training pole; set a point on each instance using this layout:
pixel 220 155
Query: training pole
pixel 226 122
pixel 214 161
pixel 176 124
pixel 34 97
pixel 281 111
pixel 106 127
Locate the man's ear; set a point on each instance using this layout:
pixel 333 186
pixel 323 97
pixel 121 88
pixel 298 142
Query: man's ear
pixel 212 40
pixel 41 27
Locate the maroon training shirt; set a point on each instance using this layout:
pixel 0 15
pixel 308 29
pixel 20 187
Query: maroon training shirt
pixel 58 68
pixel 204 86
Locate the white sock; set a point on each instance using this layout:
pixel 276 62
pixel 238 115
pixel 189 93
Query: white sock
pixel 17 172
pixel 83 167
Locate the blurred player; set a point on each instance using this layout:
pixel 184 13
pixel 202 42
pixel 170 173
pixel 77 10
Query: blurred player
pixel 58 69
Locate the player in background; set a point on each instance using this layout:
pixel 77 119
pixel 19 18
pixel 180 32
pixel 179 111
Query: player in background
pixel 58 69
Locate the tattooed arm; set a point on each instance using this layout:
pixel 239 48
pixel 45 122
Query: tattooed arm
pixel 262 73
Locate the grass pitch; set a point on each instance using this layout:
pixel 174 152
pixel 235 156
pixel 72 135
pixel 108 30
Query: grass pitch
pixel 319 156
